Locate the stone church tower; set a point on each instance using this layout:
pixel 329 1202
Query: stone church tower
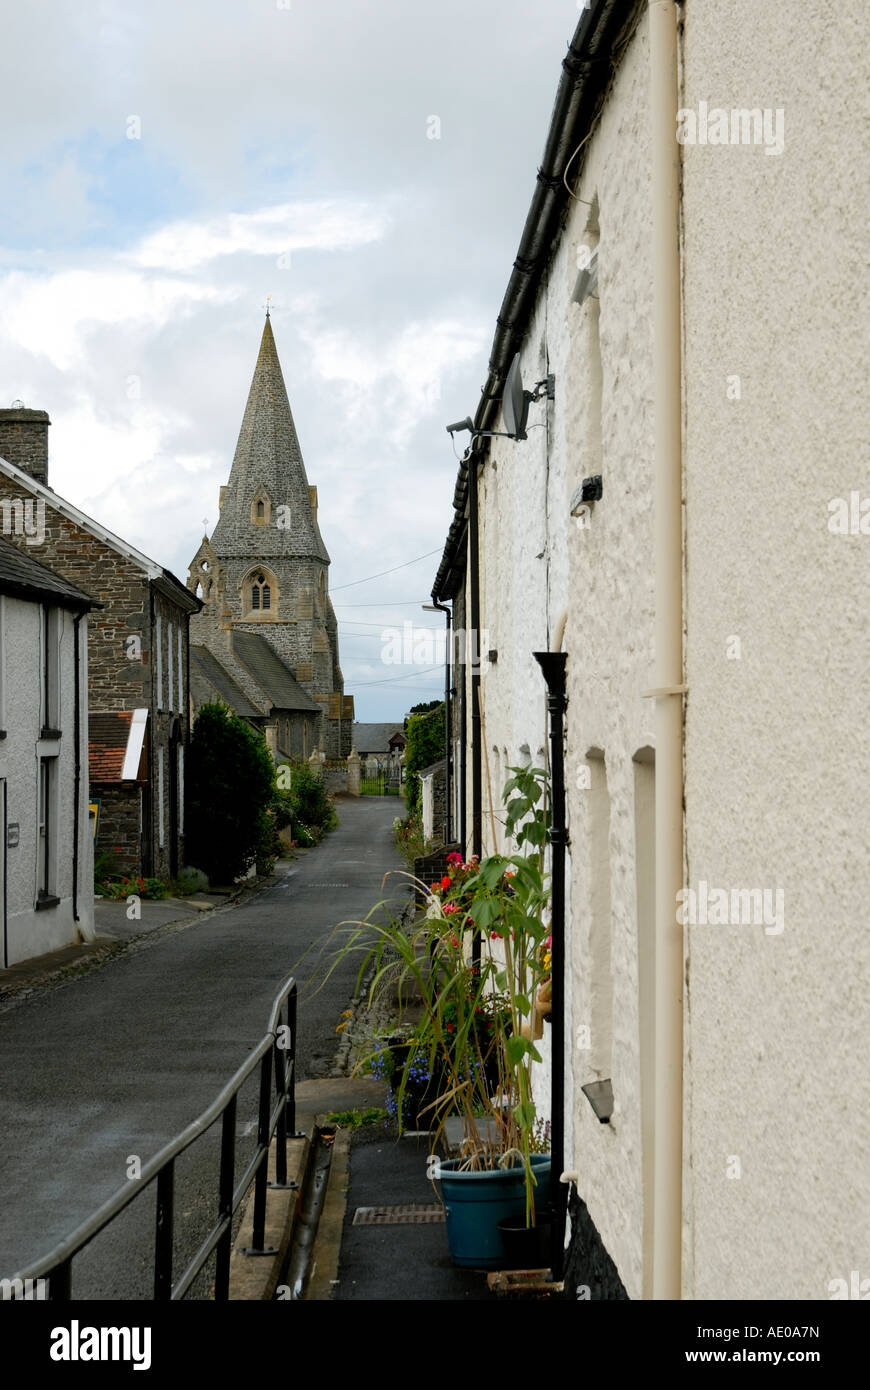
pixel 268 629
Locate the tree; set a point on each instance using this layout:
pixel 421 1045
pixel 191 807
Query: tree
pixel 230 783
pixel 425 746
pixel 422 709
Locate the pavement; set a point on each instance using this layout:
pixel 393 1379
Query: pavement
pixel 406 1260
pixel 111 1050
pixel 142 1028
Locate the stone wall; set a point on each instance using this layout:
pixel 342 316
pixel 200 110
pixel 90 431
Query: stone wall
pixel 123 668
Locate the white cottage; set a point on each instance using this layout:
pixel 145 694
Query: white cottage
pixel 46 841
pixel 685 517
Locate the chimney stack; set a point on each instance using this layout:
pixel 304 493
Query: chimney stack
pixel 24 440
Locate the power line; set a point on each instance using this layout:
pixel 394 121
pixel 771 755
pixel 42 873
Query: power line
pixel 389 679
pixel 369 577
pixel 405 603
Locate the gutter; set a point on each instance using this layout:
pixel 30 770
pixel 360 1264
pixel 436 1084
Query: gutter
pixel 586 71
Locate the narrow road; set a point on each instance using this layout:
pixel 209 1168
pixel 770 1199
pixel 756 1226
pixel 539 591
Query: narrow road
pixel 117 1062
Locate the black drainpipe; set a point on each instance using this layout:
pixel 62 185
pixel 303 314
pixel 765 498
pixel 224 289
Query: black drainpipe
pixel 553 667
pixel 472 643
pixel 77 745
pixel 448 777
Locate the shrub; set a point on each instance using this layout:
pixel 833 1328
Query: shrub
pixel 191 880
pixel 425 746
pixel 306 805
pixel 231 781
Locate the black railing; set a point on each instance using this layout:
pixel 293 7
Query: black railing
pixel 279 1122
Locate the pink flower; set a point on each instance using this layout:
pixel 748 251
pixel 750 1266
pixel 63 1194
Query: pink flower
pixel 450 907
pixel 454 858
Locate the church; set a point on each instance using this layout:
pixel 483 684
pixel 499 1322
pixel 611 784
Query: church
pixel 266 640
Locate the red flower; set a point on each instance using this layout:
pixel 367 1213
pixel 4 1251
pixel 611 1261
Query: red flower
pixel 445 882
pixel 454 858
pixel 450 1028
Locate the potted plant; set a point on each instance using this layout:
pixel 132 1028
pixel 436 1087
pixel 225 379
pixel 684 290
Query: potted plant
pixel 473 965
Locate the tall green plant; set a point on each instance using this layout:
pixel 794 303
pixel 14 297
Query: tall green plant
pixel 230 783
pixel 426 745
pixel 504 903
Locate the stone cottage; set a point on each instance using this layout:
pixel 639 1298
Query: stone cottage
pixel 266 641
pixel 137 655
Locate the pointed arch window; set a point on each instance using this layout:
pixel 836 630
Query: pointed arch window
pixel 260 594
pixel 261 508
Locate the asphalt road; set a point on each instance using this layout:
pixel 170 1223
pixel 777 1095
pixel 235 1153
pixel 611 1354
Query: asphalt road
pixel 118 1062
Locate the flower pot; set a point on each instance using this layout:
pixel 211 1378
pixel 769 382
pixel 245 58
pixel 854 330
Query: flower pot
pixel 527 1247
pixel 476 1202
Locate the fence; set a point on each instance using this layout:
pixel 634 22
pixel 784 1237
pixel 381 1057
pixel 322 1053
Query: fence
pixel 278 1043
pixel 384 782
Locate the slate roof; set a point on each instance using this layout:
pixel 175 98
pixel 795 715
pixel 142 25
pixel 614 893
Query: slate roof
pixel 24 577
pixel 108 735
pixel 375 738
pixel 268 456
pixel 208 678
pixel 270 672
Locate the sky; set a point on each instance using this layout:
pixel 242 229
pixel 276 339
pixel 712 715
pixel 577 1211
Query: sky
pixel 367 165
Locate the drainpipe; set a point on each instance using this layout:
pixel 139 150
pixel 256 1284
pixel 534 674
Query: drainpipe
pixel 476 770
pixel 89 935
pixel 448 777
pixel 669 688
pixel 553 667
pixel 77 779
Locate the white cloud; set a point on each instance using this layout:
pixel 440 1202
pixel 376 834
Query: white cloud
pixel 51 315
pixel 272 231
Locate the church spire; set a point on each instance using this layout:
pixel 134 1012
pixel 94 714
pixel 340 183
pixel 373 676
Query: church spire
pixel 267 508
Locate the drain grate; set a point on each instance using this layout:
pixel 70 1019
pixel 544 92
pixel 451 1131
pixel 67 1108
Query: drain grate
pixel 412 1214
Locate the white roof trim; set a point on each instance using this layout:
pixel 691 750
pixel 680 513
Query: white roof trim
pixel 52 499
pixel 135 740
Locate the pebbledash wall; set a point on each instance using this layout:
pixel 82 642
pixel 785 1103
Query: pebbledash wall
pixel 777 760
pixel 537 561
pixel 30 931
pixel 777 770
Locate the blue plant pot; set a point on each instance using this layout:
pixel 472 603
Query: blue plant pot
pixel 476 1202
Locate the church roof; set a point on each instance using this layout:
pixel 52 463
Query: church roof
pixel 376 738
pixel 208 678
pixel 268 460
pixel 270 672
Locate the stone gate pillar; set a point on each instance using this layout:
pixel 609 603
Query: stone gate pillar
pixel 354 769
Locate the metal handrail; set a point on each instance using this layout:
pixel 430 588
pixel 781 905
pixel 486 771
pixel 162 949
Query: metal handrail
pixel 278 1042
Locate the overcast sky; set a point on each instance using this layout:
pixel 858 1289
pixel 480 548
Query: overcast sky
pixel 167 166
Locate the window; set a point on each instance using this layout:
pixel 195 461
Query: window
pixel 49 672
pixel 169 655
pixel 261 508
pixel 47 833
pixel 260 593
pixel 159 662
